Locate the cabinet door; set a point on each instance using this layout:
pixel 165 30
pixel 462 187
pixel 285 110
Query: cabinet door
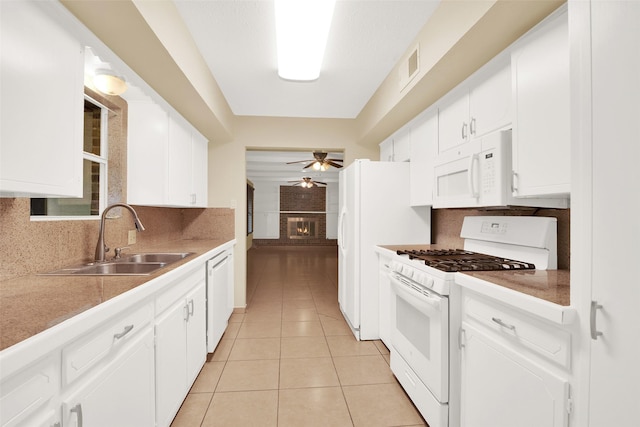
pixel 385 299
pixel 386 150
pixel 196 333
pixel 424 149
pixel 490 98
pixel 171 361
pixel 453 120
pixel 120 394
pixel 147 163
pixel 200 178
pixel 613 173
pixel 218 301
pixel 541 145
pixel 180 163
pixel 41 97
pixel 402 145
pixel 502 388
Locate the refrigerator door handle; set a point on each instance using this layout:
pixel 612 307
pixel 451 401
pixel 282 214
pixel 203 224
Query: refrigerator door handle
pixel 341 239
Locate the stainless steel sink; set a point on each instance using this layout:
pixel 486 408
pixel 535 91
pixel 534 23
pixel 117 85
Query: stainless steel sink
pixel 131 265
pixel 117 268
pixel 156 257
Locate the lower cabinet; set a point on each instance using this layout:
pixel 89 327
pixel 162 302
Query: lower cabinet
pixel 180 344
pixel 514 368
pixel 119 394
pixel 385 299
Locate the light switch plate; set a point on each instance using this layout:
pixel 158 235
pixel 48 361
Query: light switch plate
pixel 132 237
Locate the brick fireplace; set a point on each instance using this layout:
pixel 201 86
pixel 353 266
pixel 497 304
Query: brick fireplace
pixel 302 217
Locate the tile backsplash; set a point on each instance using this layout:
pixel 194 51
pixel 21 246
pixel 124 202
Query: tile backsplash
pixel 28 247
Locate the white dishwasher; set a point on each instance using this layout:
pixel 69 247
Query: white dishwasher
pixel 219 297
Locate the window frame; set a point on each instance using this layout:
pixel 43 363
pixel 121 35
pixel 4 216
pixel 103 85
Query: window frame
pixel 102 160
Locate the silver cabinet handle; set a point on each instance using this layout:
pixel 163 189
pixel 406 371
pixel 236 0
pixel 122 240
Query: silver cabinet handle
pixel 594 332
pixel 514 182
pixel 504 325
pixel 78 411
pixel 185 309
pixel 472 126
pixel 191 308
pixel 126 330
pixel 464 130
pixel 56 424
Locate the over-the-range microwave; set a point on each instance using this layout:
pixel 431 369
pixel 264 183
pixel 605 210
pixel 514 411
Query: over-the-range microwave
pixel 479 174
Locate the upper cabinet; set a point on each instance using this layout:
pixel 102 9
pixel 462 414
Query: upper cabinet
pixel 424 149
pixel 481 104
pixel 167 159
pixel 40 149
pixel 396 148
pixel 540 77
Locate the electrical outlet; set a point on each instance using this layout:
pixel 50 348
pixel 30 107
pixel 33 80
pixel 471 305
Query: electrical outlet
pixel 132 237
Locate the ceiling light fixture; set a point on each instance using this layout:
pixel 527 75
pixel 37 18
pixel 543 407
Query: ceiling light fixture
pixel 302 29
pixel 108 83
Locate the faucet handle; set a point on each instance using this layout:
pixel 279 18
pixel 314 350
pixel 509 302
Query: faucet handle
pixel 118 251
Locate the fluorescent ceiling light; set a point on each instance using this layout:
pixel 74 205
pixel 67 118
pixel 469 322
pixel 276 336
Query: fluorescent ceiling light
pixel 302 29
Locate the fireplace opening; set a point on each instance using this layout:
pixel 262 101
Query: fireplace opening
pixel 302 228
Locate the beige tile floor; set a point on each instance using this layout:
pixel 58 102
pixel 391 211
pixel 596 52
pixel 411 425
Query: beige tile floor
pixel 291 360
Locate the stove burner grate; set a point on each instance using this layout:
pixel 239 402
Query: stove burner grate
pixel 452 260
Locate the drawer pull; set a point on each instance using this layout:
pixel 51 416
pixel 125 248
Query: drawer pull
pixel 126 330
pixel 504 325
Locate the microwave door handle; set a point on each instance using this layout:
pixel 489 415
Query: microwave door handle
pixel 471 177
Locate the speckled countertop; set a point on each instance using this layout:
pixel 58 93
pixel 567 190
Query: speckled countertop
pixel 549 285
pixel 31 304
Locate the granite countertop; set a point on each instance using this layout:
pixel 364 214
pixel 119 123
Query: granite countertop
pixel 31 304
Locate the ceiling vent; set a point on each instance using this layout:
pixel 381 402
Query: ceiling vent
pixel 410 68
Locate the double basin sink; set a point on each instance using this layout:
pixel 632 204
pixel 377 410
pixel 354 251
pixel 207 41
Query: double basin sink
pixel 129 265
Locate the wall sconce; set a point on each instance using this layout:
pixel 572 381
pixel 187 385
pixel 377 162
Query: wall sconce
pixel 108 83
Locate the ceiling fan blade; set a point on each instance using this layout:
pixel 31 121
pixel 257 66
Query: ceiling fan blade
pixel 299 161
pixel 335 160
pixel 309 165
pixel 319 182
pixel 334 164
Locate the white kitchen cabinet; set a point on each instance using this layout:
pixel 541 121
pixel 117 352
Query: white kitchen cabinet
pixel 396 148
pixel 147 147
pixel 40 148
pixel 605 77
pixel 120 393
pixel 514 367
pixel 167 158
pixel 180 343
pixel 27 396
pixel 476 107
pixel 424 149
pixel 187 172
pixel 541 140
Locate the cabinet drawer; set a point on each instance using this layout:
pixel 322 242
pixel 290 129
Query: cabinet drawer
pixel 80 356
pixel 26 392
pixel 520 329
pixel 180 288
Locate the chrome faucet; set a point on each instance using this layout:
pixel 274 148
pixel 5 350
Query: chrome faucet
pixel 101 247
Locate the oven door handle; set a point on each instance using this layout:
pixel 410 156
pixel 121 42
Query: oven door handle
pixel 420 301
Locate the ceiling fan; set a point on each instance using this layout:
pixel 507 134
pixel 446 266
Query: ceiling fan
pixel 320 162
pixel 308 182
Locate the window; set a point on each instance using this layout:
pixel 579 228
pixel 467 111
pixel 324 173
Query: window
pixel 95 162
pixel 249 209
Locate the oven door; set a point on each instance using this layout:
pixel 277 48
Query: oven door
pixel 420 333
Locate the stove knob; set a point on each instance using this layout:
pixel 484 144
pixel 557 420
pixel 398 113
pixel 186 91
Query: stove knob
pixel 408 272
pixel 429 282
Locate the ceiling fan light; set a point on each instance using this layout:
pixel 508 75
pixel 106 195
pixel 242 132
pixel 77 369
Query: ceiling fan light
pixel 317 166
pixel 302 30
pixel 108 83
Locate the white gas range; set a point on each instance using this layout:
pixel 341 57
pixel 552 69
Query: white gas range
pixel 421 281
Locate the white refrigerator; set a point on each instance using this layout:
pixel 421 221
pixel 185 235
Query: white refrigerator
pixel 374 210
